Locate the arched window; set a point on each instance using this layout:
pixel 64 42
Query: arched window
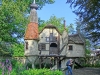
pixel 53 45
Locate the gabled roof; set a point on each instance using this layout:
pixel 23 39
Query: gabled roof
pixel 31 31
pixel 75 38
pixel 50 26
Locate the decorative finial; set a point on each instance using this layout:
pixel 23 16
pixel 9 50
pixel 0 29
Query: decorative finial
pixel 33 5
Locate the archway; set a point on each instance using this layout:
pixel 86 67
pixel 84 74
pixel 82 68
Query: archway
pixel 53 45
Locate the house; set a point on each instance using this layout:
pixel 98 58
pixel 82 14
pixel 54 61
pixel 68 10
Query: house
pixel 49 44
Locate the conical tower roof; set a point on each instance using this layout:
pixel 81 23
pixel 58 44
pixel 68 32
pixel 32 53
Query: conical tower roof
pixel 32 28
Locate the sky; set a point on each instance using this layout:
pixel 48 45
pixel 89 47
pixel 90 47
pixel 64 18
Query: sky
pixel 59 9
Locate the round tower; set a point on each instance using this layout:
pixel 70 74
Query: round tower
pixel 31 36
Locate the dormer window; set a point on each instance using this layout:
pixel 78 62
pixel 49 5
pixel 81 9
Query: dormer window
pixel 70 47
pixel 26 45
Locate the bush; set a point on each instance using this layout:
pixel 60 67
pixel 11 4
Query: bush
pixel 39 72
pixel 91 65
pixel 0 72
pixel 44 65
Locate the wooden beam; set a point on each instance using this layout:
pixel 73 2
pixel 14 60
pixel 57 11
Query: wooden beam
pixel 52 55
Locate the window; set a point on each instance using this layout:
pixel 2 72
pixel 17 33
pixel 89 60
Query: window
pixel 51 36
pixel 26 45
pixel 42 46
pixel 47 39
pixel 70 47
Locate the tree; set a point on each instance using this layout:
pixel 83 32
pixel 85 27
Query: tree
pixel 13 21
pixel 89 15
pixel 88 47
pixel 71 29
pixel 58 22
pixel 18 49
pixel 54 21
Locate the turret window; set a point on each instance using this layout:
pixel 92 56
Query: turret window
pixel 26 45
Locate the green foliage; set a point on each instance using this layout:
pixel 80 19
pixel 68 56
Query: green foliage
pixel 89 15
pixel 0 71
pixel 54 21
pixel 43 65
pixel 58 22
pixel 20 69
pixel 88 46
pixel 18 49
pixel 17 66
pixel 71 29
pixel 92 65
pixel 5 49
pixel 29 66
pixel 87 51
pixel 13 21
pixel 39 72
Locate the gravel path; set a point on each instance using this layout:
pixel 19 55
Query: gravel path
pixel 86 71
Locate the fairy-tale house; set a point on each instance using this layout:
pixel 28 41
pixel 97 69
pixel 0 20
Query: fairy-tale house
pixel 49 45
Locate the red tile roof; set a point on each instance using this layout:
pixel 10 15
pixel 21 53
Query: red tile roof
pixel 31 31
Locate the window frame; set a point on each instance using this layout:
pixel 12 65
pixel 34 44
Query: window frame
pixel 70 47
pixel 42 46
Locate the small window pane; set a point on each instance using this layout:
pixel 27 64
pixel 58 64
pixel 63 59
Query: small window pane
pixel 42 47
pixel 70 47
pixel 47 39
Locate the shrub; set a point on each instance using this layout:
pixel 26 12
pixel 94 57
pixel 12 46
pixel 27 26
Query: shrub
pixel 39 72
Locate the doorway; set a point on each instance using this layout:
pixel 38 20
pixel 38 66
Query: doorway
pixel 53 49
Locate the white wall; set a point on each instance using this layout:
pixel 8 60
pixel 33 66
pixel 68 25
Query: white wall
pixel 32 47
pixel 64 41
pixel 46 33
pixel 78 51
pixel 64 51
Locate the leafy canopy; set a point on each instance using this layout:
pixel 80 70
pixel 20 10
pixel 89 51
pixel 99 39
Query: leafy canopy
pixel 89 14
pixel 13 21
pixel 58 22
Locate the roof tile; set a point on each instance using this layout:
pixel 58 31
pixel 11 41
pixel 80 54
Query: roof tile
pixel 31 31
